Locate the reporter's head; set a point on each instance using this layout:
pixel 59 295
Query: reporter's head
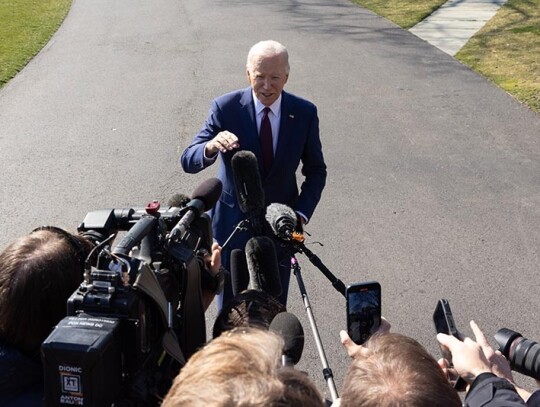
pixel 395 370
pixel 242 367
pixel 38 273
pixel 249 308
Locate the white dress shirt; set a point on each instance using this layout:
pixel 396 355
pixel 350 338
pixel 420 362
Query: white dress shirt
pixel 274 115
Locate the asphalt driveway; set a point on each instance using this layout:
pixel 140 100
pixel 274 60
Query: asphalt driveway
pixel 433 188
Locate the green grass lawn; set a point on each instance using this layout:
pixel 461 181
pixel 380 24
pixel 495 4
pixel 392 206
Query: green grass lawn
pixel 25 27
pixel 506 50
pixel 404 13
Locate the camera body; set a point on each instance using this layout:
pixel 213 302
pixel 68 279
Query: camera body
pixel 126 332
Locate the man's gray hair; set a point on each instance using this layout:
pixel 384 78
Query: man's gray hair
pixel 268 48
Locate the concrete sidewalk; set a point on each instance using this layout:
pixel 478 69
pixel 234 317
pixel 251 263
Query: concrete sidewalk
pixel 451 26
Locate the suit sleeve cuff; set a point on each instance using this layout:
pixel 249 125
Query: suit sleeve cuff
pixel 306 220
pixel 481 378
pixel 209 160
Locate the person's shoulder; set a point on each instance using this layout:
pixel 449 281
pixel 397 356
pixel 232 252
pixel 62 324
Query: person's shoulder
pixel 296 100
pixel 234 95
pixel 21 378
pixel 534 400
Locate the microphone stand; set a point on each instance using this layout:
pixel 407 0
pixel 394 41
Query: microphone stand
pixel 327 372
pixel 253 221
pixel 300 247
pixel 241 226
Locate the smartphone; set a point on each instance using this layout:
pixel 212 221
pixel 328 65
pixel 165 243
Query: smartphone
pixel 444 323
pixel 363 310
pixel 444 320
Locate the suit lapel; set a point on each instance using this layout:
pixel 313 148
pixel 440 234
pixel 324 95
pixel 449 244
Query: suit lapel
pixel 284 136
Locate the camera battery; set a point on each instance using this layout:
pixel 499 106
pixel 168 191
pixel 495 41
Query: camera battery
pixel 82 362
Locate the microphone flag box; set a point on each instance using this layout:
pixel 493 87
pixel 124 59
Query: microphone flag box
pixel 82 362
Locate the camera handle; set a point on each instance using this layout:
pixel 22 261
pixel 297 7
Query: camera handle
pixel 327 372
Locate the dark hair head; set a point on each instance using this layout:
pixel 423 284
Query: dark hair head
pixel 38 273
pixel 249 308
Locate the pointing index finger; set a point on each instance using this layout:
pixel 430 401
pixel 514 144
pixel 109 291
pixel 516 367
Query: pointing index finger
pixel 479 335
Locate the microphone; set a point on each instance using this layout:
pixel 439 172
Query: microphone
pixel 263 266
pixel 248 187
pixel 204 198
pixel 282 220
pixel 239 271
pixel 134 236
pixel 179 200
pixel 290 329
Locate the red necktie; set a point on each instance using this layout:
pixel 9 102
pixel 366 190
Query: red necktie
pixel 267 146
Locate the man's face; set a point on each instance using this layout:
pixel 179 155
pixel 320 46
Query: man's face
pixel 268 76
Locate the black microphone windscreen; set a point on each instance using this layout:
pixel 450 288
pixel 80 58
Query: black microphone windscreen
pixel 290 329
pixel 247 181
pixel 178 200
pixel 208 192
pixel 263 265
pixel 239 271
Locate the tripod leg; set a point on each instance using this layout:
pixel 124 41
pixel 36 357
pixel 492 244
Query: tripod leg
pixel 336 283
pixel 327 372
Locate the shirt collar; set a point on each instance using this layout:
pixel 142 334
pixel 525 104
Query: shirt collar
pixel 274 107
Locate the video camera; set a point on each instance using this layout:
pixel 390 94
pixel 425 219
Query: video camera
pixel 138 314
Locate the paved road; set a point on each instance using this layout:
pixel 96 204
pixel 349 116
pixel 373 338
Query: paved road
pixel 433 185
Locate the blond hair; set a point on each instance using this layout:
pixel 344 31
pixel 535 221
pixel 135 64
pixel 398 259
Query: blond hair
pixel 241 368
pixel 398 372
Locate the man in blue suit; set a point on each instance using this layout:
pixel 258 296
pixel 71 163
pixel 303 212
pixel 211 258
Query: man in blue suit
pixel 281 129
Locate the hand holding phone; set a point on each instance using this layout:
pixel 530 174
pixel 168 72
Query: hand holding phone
pixel 363 310
pixel 444 323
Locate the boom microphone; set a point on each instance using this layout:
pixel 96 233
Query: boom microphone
pixel 179 200
pixel 282 220
pixel 263 266
pixel 204 198
pixel 239 271
pixel 290 329
pixel 248 186
pixel 134 236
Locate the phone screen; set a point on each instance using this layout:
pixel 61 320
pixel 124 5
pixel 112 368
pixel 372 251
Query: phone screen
pixel 363 310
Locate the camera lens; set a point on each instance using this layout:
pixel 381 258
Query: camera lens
pixel 527 356
pixel 523 354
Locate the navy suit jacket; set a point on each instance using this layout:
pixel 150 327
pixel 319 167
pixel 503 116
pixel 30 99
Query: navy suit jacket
pixel 298 141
